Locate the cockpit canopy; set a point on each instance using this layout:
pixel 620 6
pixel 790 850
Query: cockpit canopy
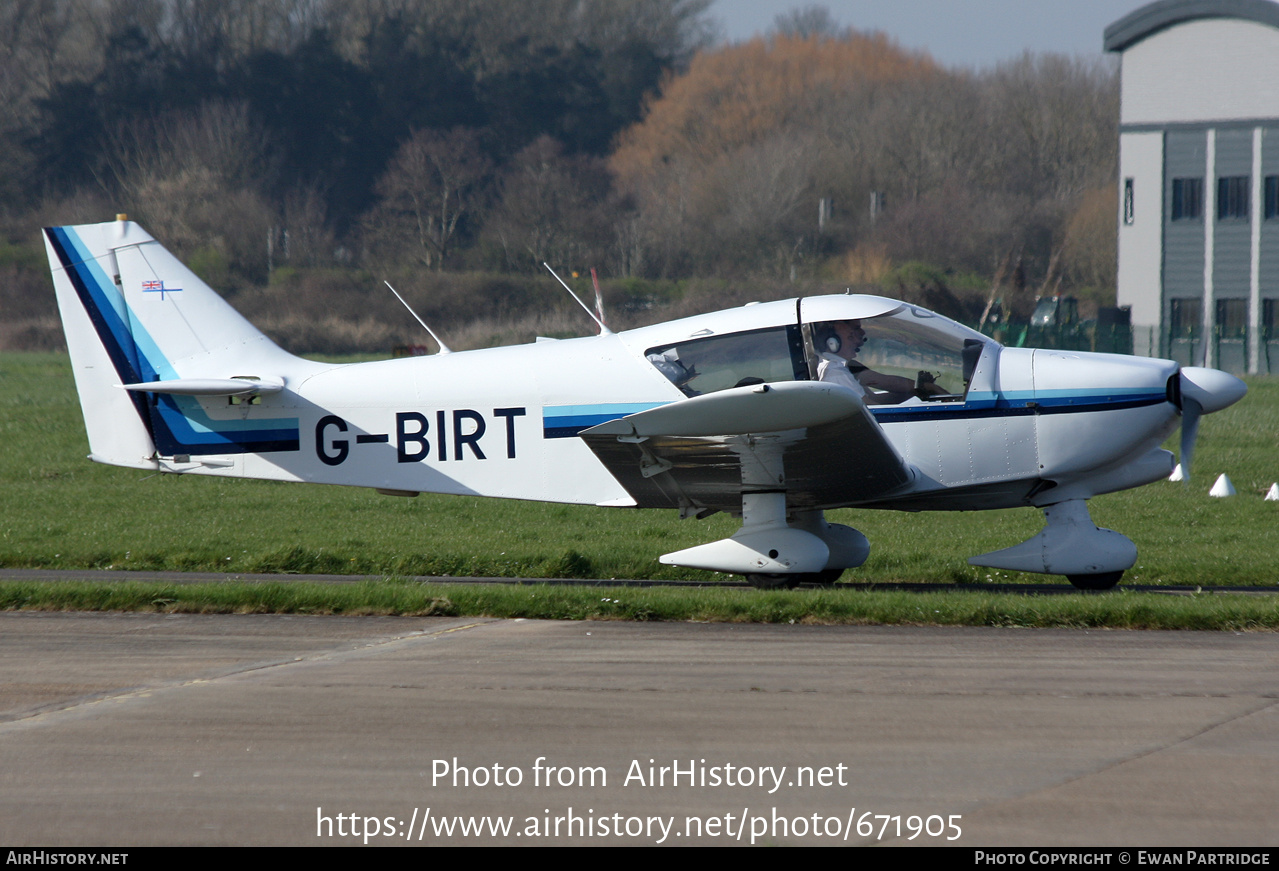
pixel 909 354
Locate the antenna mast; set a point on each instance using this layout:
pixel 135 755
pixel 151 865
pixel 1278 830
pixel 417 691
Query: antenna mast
pixel 444 349
pixel 604 331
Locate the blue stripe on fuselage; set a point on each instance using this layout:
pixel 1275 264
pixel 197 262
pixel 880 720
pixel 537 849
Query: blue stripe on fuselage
pixel 1017 404
pixel 567 421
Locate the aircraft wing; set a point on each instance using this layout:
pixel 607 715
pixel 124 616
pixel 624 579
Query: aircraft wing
pixel 816 441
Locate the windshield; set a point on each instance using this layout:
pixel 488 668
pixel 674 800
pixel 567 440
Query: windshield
pixel 907 354
pixel 900 353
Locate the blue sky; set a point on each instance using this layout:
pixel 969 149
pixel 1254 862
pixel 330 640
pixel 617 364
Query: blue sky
pixel 969 33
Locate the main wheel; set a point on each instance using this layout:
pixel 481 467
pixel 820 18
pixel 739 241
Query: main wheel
pixel 824 578
pixel 1103 581
pixel 773 582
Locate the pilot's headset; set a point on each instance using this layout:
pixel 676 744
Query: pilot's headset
pixel 827 338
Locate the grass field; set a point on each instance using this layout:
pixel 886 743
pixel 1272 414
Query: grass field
pixel 62 511
pixel 1123 609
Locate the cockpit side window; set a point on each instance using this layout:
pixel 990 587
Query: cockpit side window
pixel 705 365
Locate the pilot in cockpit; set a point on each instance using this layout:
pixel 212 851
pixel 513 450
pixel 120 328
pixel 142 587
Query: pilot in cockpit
pixel 837 345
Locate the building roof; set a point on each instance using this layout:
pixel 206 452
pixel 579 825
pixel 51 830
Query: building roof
pixel 1162 14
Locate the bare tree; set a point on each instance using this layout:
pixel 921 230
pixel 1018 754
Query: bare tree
pixel 919 136
pixel 305 237
pixel 1054 124
pixel 1089 240
pixel 33 36
pixel 195 178
pixel 219 138
pixel 552 207
pixel 432 184
pixel 499 33
pixel 42 44
pixel 809 22
pixel 217 32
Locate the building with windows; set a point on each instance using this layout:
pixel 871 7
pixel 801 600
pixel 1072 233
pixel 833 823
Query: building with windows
pixel 1199 180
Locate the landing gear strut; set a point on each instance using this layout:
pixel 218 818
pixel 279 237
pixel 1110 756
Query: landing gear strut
pixel 1070 544
pixel 777 550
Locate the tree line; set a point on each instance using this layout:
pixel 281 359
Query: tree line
pixel 463 136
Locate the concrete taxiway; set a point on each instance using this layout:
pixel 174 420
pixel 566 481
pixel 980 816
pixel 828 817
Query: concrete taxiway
pixel 134 729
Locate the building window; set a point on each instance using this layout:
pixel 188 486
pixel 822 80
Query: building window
pixel 1232 318
pixel 1128 213
pixel 1187 199
pixel 1185 318
pixel 1271 189
pixel 1232 198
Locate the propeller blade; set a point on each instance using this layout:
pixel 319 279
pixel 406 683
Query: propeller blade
pixel 1190 414
pixel 1203 391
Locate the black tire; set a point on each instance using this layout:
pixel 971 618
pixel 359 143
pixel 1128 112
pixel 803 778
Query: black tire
pixel 824 578
pixel 1103 581
pixel 773 582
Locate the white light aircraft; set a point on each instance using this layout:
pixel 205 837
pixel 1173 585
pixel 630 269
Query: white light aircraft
pixel 717 412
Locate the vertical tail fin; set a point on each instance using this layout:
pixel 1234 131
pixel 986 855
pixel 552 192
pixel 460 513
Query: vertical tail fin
pixel 134 314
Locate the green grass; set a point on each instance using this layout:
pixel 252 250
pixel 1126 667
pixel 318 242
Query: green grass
pixel 58 510
pixel 1117 610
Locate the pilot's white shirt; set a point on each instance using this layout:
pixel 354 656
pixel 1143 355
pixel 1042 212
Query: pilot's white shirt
pixel 834 370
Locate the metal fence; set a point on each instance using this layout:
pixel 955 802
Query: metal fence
pixel 1229 352
pixel 1080 336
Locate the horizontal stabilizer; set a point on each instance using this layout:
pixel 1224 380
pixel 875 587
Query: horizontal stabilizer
pixel 209 386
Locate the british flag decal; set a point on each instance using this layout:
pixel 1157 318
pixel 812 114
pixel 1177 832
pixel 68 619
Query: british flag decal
pixel 158 287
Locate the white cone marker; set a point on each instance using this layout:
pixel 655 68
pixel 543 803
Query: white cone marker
pixel 1222 488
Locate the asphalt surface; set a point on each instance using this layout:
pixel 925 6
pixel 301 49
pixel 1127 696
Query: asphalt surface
pixel 125 730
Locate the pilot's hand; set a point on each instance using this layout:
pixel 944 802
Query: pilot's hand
pixel 926 385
